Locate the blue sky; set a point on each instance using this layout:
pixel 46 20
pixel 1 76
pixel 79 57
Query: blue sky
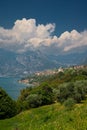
pixel 66 14
pixel 59 25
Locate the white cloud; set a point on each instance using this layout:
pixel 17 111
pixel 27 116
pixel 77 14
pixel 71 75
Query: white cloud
pixel 72 40
pixel 26 34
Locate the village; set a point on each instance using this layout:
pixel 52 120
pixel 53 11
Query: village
pixel 60 69
pixel 40 74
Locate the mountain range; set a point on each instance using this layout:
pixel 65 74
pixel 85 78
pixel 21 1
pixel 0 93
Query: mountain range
pixel 20 64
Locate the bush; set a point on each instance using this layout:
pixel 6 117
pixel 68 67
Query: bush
pixel 34 100
pixel 69 103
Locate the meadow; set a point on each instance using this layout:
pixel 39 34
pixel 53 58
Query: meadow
pixel 50 117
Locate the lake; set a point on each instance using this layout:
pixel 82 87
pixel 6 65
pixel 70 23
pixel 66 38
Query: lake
pixel 11 86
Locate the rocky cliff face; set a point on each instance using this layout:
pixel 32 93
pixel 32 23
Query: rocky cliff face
pixel 13 64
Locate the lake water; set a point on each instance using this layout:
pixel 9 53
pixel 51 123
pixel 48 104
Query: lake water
pixel 11 86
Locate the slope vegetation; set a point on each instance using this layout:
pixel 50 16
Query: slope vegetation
pixel 51 117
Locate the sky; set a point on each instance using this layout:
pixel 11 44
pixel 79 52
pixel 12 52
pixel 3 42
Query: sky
pixel 58 23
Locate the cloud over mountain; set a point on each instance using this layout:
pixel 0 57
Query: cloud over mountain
pixel 26 34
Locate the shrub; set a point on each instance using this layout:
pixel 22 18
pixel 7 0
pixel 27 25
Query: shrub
pixel 69 103
pixel 34 100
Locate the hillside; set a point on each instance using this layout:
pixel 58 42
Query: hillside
pixel 57 76
pixel 51 117
pixel 59 102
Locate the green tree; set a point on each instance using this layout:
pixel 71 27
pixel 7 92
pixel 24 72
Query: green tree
pixel 66 90
pixel 80 90
pixel 34 100
pixel 7 105
pixel 47 95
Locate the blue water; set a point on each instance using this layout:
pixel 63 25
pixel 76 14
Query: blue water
pixel 11 86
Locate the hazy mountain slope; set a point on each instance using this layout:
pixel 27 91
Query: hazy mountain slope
pixel 12 64
pixel 18 64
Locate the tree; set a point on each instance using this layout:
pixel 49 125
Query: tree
pixel 7 105
pixel 34 100
pixel 66 90
pixel 80 91
pixel 47 95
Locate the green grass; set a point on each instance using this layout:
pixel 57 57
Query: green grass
pixel 51 117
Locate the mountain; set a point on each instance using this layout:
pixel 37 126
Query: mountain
pixel 13 64
pixel 18 64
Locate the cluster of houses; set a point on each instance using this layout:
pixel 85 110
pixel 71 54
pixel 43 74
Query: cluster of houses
pixel 61 69
pixel 49 72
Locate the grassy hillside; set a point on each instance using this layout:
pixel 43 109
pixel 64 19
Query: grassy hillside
pixel 51 117
pixel 58 103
